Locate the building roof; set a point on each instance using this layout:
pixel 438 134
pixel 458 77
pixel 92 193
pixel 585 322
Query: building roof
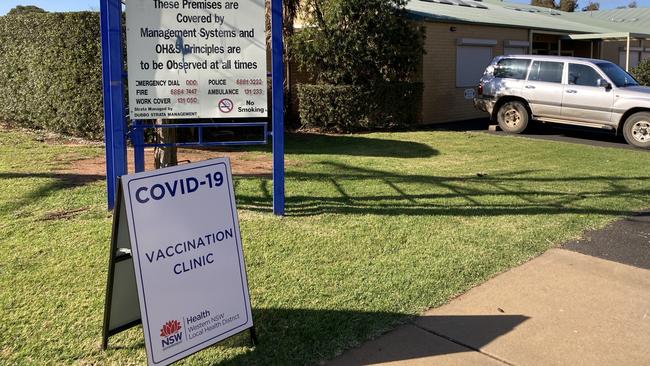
pixel 629 19
pixel 495 12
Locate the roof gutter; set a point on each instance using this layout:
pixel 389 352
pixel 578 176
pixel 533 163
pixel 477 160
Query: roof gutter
pixel 414 15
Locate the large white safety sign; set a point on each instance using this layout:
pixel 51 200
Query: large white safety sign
pixel 196 58
pixel 188 258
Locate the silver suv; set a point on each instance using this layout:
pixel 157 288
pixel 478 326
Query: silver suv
pixel 568 90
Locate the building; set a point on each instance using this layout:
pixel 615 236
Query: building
pixel 462 37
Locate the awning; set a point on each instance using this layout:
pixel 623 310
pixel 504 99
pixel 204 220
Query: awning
pixel 616 35
pixel 624 36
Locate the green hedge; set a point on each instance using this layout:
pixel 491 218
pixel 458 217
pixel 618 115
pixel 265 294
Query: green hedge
pixel 642 72
pixel 350 108
pixel 50 72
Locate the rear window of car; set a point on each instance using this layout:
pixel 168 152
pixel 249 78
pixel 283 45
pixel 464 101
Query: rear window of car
pixel 548 71
pixel 512 68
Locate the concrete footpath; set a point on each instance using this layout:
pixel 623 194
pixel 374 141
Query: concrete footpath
pixel 587 303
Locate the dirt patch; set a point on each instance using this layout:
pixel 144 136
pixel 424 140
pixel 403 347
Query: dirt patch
pixel 62 215
pixel 243 163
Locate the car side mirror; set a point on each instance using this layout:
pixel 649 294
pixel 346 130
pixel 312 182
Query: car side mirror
pixel 604 84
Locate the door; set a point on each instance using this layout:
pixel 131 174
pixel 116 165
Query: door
pixel 543 89
pixel 585 100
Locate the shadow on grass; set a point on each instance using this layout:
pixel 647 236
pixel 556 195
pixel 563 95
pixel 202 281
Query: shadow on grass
pixel 299 336
pixel 356 145
pixel 58 181
pixel 297 144
pixel 350 145
pixel 527 195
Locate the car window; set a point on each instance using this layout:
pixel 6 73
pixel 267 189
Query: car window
pixel 583 75
pixel 619 76
pixel 512 68
pixel 546 71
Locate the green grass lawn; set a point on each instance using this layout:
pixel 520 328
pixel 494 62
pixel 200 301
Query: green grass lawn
pixel 379 227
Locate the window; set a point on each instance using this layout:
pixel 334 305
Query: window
pixel 618 76
pixel 583 75
pixel 546 71
pixel 512 68
pixel 470 64
pixel 635 57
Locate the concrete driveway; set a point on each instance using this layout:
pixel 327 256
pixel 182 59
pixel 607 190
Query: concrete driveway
pixel 547 131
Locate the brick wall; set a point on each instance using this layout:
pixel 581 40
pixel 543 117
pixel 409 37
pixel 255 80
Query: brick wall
pixel 442 100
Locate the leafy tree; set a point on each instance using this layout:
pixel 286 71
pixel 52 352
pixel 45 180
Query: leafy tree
pixel 564 5
pixel 290 11
pixel 24 9
pixel 592 6
pixel 358 42
pixel 568 5
pixel 544 3
pixel 631 5
pixel 642 72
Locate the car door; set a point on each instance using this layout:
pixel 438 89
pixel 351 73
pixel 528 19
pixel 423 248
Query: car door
pixel 586 99
pixel 543 89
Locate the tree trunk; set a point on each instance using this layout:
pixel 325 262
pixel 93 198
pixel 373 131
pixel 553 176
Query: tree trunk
pixel 165 156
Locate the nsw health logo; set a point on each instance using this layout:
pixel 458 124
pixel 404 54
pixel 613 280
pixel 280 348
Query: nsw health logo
pixel 171 334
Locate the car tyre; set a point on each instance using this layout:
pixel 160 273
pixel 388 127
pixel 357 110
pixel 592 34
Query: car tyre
pixel 513 117
pixel 636 130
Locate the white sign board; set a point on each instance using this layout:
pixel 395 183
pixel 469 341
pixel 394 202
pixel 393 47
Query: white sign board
pixel 470 93
pixel 196 58
pixel 188 258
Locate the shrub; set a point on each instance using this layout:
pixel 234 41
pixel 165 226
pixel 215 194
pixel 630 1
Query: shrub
pixel 642 72
pixel 20 9
pixel 351 108
pixel 50 72
pixel 362 54
pixel 358 42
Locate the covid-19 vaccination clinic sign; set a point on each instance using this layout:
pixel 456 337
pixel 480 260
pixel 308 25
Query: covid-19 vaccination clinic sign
pixel 196 59
pixel 188 258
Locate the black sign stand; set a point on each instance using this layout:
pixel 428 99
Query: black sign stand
pixel 120 252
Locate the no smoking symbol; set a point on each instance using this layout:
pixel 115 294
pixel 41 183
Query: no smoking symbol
pixel 226 105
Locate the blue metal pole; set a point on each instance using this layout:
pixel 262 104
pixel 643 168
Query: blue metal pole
pixel 113 85
pixel 277 72
pixel 138 146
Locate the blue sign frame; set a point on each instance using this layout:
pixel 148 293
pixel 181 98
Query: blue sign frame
pixel 115 126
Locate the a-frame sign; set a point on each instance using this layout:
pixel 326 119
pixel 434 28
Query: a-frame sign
pixel 176 262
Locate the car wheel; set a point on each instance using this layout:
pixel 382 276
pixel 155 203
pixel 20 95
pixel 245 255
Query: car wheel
pixel 513 117
pixel 636 130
